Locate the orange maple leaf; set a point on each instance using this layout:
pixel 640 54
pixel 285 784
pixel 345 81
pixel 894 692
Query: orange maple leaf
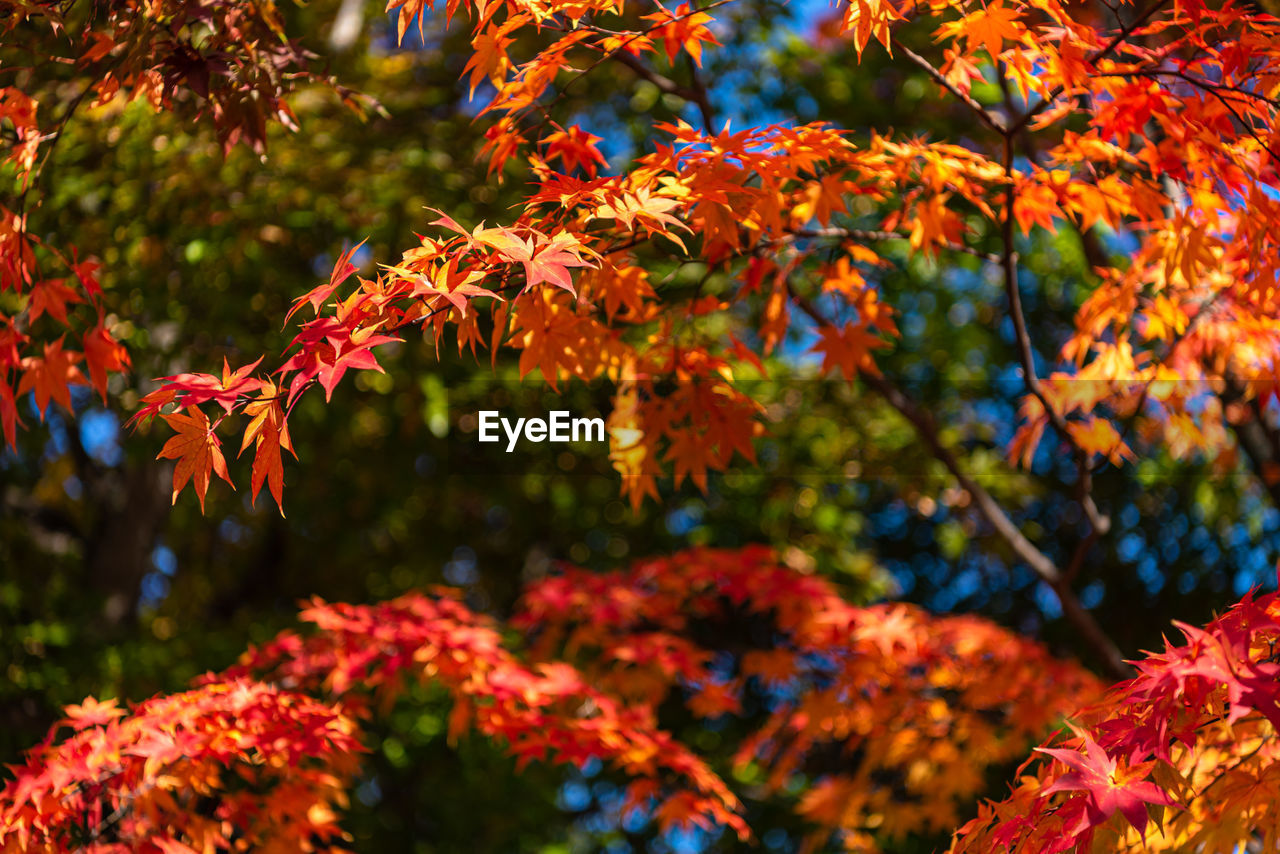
pixel 868 19
pixel 849 349
pixel 342 270
pixel 986 28
pixel 197 450
pixel 270 431
pixel 92 713
pixel 489 53
pixel 51 376
pixel 544 259
pixel 410 11
pixel 1099 436
pixel 103 354
pixel 52 297
pixel 685 28
pixel 575 147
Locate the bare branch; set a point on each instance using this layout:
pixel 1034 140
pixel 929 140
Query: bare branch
pixel 696 95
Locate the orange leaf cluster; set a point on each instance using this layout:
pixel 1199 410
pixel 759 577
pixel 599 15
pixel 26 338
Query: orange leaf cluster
pixel 229 764
pixel 910 708
pixel 231 58
pixel 1177 153
pixel 887 714
pixel 544 711
pixel 1184 757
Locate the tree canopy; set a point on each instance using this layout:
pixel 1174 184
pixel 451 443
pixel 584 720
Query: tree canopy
pixel 935 344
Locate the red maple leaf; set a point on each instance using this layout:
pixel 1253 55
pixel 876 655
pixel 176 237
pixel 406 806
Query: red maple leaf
pixel 52 297
pixel 1108 788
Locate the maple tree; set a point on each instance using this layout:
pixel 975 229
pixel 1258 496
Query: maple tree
pixel 361 656
pixel 1145 133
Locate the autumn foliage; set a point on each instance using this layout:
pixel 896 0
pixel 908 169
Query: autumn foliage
pixel 186 772
pixel 1175 152
pixel 1180 756
pixel 1147 131
pixel 917 704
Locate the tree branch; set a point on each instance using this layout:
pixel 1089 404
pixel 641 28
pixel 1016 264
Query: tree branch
pixel 1258 439
pixel 701 98
pixel 1043 566
pixel 695 95
pixel 863 234
pixel 983 114
pixel 1009 262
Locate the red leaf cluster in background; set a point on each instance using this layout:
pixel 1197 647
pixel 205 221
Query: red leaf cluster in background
pixel 1181 757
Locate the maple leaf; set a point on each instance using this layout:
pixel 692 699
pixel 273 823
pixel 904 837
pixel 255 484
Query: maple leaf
pixel 689 451
pixel 103 354
pixel 51 376
pixel 575 147
pixel 457 287
pixel 685 28
pixel 342 270
pixel 197 450
pixel 52 296
pixel 268 431
pixel 9 419
pixel 959 71
pixel 746 354
pixel 1099 436
pixel 988 27
pixel 849 349
pixel 544 259
pixel 934 224
pixel 410 11
pixel 716 699
pixel 328 348
pixel 867 19
pixel 99 45
pixel 821 199
pixel 197 389
pixel 92 713
pixel 1108 789
pixel 488 59
pixel 652 211
pixel 680 810
pixel 267 465
pixel 620 287
pixel 152 403
pixel 502 140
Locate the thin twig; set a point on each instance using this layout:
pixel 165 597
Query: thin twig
pixel 872 235
pixel 983 114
